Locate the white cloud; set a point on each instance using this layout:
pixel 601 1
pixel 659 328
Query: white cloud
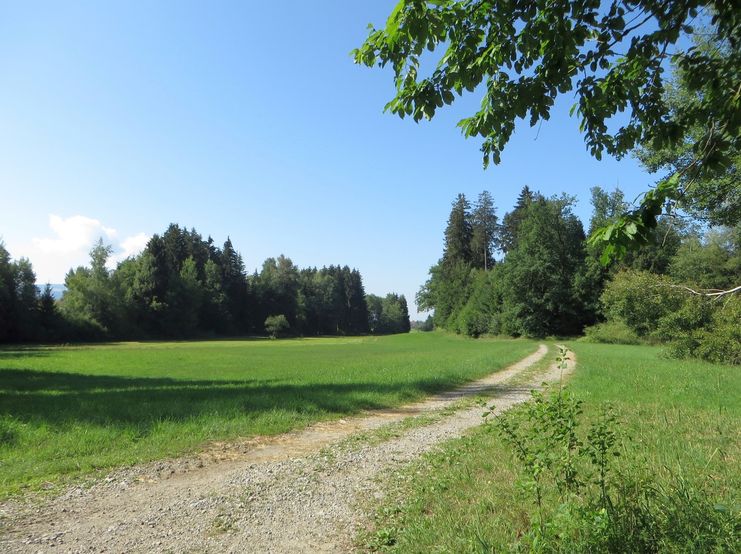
pixel 130 246
pixel 69 244
pixel 74 234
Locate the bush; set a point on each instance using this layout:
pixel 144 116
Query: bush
pixel 640 299
pixel 704 328
pixel 650 307
pixel 611 332
pixel 276 325
pixel 695 313
pixel 643 516
pixel 80 328
pixel 8 433
pixel 472 323
pixel 600 509
pixel 720 341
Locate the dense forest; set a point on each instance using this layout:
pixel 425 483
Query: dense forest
pixel 550 281
pixel 183 286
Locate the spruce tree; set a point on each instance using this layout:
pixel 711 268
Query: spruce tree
pixel 234 281
pixel 48 315
pixel 483 231
pixel 7 295
pixel 458 233
pixel 356 301
pixel 404 323
pixel 513 219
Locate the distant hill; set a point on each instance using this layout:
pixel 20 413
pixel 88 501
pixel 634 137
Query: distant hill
pixel 56 289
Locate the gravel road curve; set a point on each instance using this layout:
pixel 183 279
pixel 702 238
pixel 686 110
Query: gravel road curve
pixel 298 492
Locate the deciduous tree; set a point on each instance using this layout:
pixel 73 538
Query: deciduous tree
pixel 612 55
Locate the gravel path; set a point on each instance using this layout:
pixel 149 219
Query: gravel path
pixel 295 493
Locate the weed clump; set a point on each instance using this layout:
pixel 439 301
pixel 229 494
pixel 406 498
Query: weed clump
pixel 594 508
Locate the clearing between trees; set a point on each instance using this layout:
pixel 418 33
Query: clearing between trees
pixel 73 411
pixel 299 491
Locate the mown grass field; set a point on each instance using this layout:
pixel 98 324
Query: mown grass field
pixel 67 411
pixel 680 423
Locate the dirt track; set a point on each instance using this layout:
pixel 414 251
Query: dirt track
pixel 297 492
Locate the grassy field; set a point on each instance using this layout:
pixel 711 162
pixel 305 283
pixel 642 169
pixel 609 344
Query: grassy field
pixel 67 411
pixel 680 426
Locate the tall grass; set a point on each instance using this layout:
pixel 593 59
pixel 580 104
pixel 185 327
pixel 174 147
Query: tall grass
pixel 674 487
pixel 67 411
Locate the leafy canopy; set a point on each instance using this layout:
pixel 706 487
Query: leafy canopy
pixel 521 54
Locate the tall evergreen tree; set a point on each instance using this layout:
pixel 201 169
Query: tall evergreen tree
pixel 49 321
pixel 276 290
pixel 511 221
pixel 234 283
pixel 358 309
pixel 458 233
pixel 484 231
pixel 404 324
pixel 215 313
pixel 190 298
pixel 7 295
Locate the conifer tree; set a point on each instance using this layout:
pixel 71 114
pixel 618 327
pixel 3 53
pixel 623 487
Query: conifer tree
pixel 404 324
pixel 48 315
pixel 458 233
pixel 234 283
pixel 513 219
pixel 7 294
pixel 356 300
pixel 483 231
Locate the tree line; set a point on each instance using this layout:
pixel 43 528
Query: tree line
pixel 183 286
pixel 550 281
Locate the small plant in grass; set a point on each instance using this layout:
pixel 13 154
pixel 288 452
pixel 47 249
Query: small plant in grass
pixel 223 523
pixel 544 439
pixel 8 435
pixel 600 448
pixel 276 325
pixel 598 508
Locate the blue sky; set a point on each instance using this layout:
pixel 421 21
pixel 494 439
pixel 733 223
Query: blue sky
pixel 248 120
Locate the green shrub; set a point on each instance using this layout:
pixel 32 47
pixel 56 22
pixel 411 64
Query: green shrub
pixel 611 332
pixel 653 308
pixel 276 325
pixel 694 313
pixel 472 322
pixel 720 342
pixel 8 434
pixel 704 328
pixel 640 299
pixel 600 509
pixel 643 516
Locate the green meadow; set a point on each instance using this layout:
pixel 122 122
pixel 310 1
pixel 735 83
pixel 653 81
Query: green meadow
pixel 69 411
pixel 679 436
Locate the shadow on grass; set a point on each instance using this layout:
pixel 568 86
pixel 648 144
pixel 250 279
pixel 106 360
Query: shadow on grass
pixel 61 399
pixel 20 352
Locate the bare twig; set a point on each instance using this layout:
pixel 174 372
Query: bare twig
pixel 710 293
